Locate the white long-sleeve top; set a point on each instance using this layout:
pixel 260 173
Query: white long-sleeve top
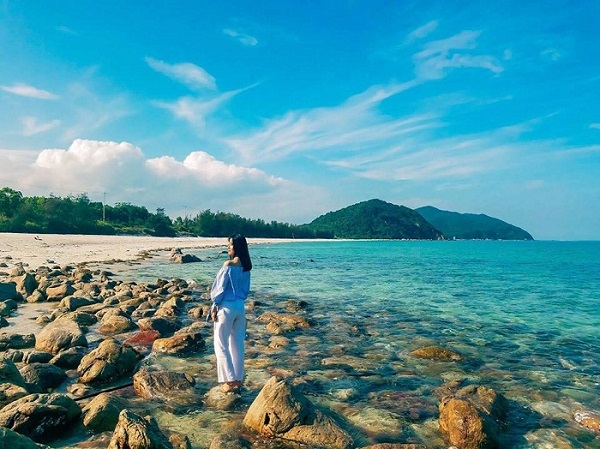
pixel 232 283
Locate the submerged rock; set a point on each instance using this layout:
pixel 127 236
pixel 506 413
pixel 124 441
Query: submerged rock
pixel 166 385
pixel 436 353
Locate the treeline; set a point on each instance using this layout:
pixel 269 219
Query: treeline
pixel 79 215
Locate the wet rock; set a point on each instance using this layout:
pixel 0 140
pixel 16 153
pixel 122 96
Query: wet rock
pixel 110 360
pixel 436 353
pixel 69 358
pixel 43 375
pixel 165 385
pixel 101 414
pixel 16 341
pixel 470 419
pixel 588 419
pixel 281 411
pixel 180 441
pixel 142 340
pixel 177 256
pixel 40 416
pixel 281 323
pixel 60 334
pixel 14 440
pixel 185 343
pixel 134 431
pixel 217 398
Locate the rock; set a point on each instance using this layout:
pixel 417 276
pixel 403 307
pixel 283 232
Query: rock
pixel 14 440
pixel 10 373
pixel 165 326
pixel 178 257
pixel 40 416
pixel 180 441
pixel 134 432
pixel 36 357
pixel 7 307
pixel 58 292
pixel 16 341
pixel 26 284
pixel 69 358
pixel 219 399
pixel 36 296
pixel 75 302
pixel 282 412
pixel 588 419
pixel 43 375
pixel 281 323
pixel 110 360
pixel 10 392
pixel 101 414
pixel 142 339
pixel 60 334
pixel 8 290
pixel 4 322
pixel 470 418
pixel 165 385
pixel 436 353
pixel 116 324
pixel 395 446
pixel 180 344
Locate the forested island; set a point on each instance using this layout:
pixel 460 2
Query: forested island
pixel 372 219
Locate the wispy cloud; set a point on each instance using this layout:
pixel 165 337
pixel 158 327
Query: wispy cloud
pixel 191 75
pixel 595 126
pixel 354 125
pixel 25 90
pixel 31 126
pixel 245 39
pixel 423 31
pixel 437 57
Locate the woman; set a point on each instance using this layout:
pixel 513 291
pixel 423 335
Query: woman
pixel 228 293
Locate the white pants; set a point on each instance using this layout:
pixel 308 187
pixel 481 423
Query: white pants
pixel 230 330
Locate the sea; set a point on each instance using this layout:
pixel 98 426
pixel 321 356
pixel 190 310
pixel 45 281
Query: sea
pixel 523 315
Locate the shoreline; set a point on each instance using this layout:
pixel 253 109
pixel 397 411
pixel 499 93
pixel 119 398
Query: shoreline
pixel 34 250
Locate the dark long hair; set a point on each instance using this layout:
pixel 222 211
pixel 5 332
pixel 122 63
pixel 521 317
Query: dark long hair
pixel 240 249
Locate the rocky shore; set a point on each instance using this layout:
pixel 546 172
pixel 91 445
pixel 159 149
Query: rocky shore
pixel 111 352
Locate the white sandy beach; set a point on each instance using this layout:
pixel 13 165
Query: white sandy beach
pixel 33 250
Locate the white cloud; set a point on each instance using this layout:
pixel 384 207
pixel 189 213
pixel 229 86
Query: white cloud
pixel 189 74
pixel 121 169
pixel 437 57
pixel 595 126
pixel 423 31
pixel 245 39
pixel 25 90
pixel 31 126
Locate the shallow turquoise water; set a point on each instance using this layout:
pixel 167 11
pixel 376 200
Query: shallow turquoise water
pixel 525 315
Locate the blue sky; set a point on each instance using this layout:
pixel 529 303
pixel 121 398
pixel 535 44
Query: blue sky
pixel 285 110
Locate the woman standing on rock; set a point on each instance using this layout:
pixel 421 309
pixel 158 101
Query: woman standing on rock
pixel 229 291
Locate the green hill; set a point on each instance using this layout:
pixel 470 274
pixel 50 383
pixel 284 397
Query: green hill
pixel 375 219
pixel 455 225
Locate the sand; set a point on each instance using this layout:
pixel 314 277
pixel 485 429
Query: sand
pixel 33 250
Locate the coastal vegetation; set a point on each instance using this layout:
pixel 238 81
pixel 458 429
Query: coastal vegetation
pixel 373 219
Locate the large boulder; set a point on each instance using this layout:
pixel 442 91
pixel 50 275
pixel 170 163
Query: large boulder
pixel 10 392
pixel 26 284
pixel 101 414
pixel 10 373
pixel 41 417
pixel 471 418
pixel 60 291
pixel 8 290
pixel 134 431
pixel 110 360
pixel 60 334
pixel 184 343
pixel 69 358
pixel 281 411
